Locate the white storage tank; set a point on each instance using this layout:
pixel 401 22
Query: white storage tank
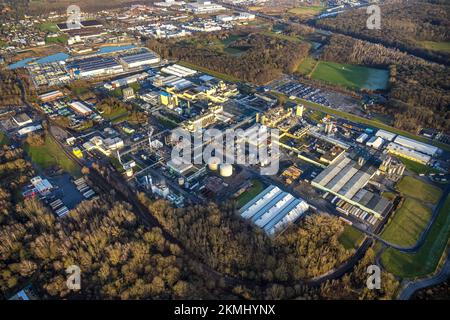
pixel 213 163
pixel 226 170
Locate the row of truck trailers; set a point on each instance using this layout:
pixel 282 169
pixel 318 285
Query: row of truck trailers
pixel 84 188
pixel 58 206
pixel 347 208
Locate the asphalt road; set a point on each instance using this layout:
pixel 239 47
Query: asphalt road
pixel 413 286
pixel 424 233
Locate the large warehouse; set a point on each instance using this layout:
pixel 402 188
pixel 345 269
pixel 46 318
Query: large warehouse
pixel 346 179
pixel 94 67
pixel 273 209
pixel 416 145
pixel 80 108
pixel 140 59
pixel 408 153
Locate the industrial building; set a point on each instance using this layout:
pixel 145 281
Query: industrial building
pixel 362 138
pixel 50 96
pixel 385 135
pixel 178 70
pixel 347 178
pixel 172 82
pixel 22 119
pixel 417 146
pixel 242 16
pixel 128 93
pixel 29 129
pixel 140 59
pixel 407 153
pixel 105 146
pixel 80 108
pixel 204 7
pixel 273 209
pixel 375 142
pixel 95 67
pixel 126 81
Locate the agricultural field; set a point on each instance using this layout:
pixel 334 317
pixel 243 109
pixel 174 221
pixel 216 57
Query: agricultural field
pixel 419 190
pixel 49 155
pixel 351 76
pixel 350 238
pixel 407 223
pixel 425 261
pixel 306 11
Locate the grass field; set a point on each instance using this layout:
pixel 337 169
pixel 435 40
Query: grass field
pixel 306 11
pixel 3 139
pixel 350 238
pixel 48 27
pixel 436 46
pixel 59 39
pixel 50 154
pixel 306 66
pixel 351 76
pixel 407 223
pixel 248 195
pixel 419 190
pixel 425 261
pixel 416 167
pixel 282 36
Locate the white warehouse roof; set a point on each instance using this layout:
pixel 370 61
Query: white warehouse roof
pixel 273 208
pixel 416 145
pixel 386 135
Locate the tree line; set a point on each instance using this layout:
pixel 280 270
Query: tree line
pixel 419 90
pixel 265 57
pixel 404 24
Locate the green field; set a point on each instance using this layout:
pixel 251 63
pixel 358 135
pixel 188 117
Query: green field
pixel 306 66
pixel 306 11
pixel 407 223
pixel 350 238
pixel 416 167
pixel 3 139
pixel 59 39
pixel 248 195
pixel 436 46
pixel 351 76
pixel 282 36
pixel 424 261
pixel 49 155
pixel 419 190
pixel 48 27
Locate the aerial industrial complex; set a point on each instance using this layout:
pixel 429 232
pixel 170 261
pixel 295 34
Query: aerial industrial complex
pixel 110 114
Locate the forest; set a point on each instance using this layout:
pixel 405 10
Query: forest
pixel 419 90
pixel 406 25
pixel 9 89
pixel 122 258
pixel 265 59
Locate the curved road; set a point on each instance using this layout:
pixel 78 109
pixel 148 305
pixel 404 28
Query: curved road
pixel 411 287
pixel 424 233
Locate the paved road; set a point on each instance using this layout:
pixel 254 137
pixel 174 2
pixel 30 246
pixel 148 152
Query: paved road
pixel 413 286
pixel 424 234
